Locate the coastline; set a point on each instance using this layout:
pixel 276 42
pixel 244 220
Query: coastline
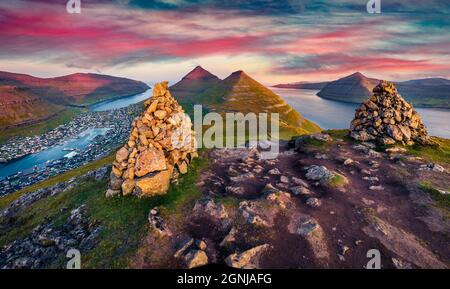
pixel 89 106
pixel 344 101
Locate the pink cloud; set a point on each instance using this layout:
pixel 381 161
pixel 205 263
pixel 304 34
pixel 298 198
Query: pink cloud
pixel 106 40
pixel 104 36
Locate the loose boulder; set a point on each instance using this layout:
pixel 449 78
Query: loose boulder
pixel 249 259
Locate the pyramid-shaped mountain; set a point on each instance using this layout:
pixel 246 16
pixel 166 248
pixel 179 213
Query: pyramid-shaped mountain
pixel 193 84
pixel 241 93
pixel 353 88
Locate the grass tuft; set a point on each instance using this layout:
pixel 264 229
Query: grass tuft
pixel 337 181
pixel 441 199
pixel 432 153
pixel 123 219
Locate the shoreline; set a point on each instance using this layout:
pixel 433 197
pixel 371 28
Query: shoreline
pixel 66 106
pixel 339 100
pixel 113 99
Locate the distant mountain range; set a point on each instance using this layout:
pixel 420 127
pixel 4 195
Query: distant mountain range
pixel 238 93
pixel 355 88
pixel 25 99
pixel 303 85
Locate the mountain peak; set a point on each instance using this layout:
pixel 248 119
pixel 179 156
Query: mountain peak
pixel 194 83
pixel 199 73
pixel 355 87
pixel 357 75
pixel 237 75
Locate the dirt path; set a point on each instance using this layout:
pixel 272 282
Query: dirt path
pixel 379 208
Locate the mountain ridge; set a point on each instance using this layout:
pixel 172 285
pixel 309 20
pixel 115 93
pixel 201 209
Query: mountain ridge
pixel 240 93
pixel 302 85
pixel 355 88
pixel 26 99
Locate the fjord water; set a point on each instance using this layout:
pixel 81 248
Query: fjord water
pixel 330 114
pixel 121 102
pixel 39 159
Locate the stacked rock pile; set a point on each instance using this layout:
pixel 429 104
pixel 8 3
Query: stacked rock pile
pixel 160 148
pixel 388 119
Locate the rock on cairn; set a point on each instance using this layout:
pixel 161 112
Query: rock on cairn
pixel 160 147
pixel 387 118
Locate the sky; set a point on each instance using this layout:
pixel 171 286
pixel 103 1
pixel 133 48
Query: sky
pixel 279 41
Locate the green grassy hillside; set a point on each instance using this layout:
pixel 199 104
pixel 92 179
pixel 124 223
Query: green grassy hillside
pixel 123 219
pixel 240 93
pixel 20 106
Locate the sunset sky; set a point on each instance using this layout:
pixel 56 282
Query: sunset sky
pixel 275 42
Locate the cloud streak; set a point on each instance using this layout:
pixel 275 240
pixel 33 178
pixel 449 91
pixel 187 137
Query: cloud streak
pixel 301 39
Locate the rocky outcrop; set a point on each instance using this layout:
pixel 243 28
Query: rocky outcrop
pixel 325 177
pixel 157 223
pixel 192 252
pixel 47 243
pixel 402 243
pixel 160 148
pixel 387 118
pixel 249 259
pixel 309 228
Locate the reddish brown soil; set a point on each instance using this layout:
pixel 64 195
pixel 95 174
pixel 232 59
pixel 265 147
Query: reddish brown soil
pixel 343 213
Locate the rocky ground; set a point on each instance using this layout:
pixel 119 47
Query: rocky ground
pixel 48 242
pixel 324 202
pixel 47 245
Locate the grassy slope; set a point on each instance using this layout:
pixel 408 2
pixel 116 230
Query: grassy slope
pixel 240 93
pixel 5 200
pixel 123 219
pixel 244 94
pixel 443 201
pixel 440 154
pixel 426 96
pixel 23 107
pixel 31 102
pixel 188 93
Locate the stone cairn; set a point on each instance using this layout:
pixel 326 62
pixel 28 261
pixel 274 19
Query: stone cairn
pixel 388 119
pixel 160 148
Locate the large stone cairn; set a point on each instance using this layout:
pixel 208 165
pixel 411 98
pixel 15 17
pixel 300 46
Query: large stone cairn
pixel 388 119
pixel 160 148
